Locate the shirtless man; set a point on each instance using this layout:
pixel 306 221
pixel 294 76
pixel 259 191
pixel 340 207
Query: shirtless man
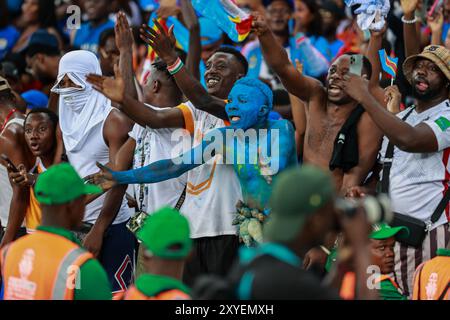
pixel 13 145
pixel 327 109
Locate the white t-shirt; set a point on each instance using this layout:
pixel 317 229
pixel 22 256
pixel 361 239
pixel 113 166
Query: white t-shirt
pixel 5 196
pixel 5 186
pixel 157 145
pixel 84 159
pixel 213 189
pixel 418 180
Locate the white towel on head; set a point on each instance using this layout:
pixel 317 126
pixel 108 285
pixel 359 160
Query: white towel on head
pixel 80 109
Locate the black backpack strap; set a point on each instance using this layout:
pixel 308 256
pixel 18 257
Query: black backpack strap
pixel 387 163
pixel 441 207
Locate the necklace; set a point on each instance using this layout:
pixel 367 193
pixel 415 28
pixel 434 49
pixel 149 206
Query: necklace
pixel 7 119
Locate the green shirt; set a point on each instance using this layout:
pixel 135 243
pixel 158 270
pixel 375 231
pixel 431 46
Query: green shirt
pixel 151 284
pixel 94 284
pixel 389 292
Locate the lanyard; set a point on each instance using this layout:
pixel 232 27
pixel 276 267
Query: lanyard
pixel 7 119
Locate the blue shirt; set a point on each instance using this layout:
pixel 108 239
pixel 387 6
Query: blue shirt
pixel 8 37
pixel 88 37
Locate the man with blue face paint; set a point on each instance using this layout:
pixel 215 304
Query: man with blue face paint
pixel 258 149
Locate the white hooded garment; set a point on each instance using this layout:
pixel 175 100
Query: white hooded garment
pixel 82 114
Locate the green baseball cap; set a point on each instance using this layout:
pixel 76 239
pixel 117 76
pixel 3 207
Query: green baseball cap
pixel 61 184
pixel 297 193
pixel 166 234
pixel 384 231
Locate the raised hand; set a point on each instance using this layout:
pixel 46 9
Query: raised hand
pixel 124 36
pixel 392 97
pixel 112 88
pixel 356 87
pixel 436 21
pixel 259 24
pixel 161 41
pixel 103 178
pixel 409 6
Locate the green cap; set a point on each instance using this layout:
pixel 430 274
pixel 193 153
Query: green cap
pixel 384 231
pixel 61 184
pixel 297 193
pixel 166 234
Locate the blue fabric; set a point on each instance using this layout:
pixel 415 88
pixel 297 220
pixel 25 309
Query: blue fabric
pixel 35 99
pixel 276 250
pixel 117 256
pixel 321 44
pixel 245 286
pixel 445 29
pixel 217 11
pixel 88 37
pixel 8 38
pixel 334 47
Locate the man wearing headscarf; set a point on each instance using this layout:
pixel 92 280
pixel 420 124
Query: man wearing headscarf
pixel 93 131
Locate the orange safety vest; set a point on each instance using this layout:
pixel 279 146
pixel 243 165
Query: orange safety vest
pixel 348 286
pixel 432 279
pixel 134 294
pixel 41 266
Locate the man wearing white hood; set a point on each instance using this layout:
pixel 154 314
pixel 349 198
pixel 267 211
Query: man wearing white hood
pixel 93 131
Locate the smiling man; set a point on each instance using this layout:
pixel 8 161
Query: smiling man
pixel 416 171
pixel 248 107
pixel 215 241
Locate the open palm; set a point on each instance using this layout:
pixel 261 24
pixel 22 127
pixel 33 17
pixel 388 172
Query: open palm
pixel 112 88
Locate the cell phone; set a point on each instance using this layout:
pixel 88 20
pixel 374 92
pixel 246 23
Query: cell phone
pixel 11 165
pixel 356 64
pixel 435 7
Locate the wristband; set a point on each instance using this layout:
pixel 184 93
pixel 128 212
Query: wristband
pixel 174 68
pixel 409 21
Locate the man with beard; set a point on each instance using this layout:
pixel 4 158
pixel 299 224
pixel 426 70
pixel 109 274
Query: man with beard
pixel 419 166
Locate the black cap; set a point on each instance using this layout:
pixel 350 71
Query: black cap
pixel 42 42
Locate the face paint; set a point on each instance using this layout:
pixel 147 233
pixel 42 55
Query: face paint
pixel 244 104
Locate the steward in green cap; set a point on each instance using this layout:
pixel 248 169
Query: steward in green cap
pixel 50 264
pixel 165 237
pixel 382 242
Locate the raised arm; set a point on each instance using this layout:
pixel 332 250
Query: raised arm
pixel 436 23
pixel 114 89
pixel 412 41
pixel 195 47
pixel 420 138
pixel 375 44
pixel 158 171
pixel 164 45
pixel 276 57
pixel 124 41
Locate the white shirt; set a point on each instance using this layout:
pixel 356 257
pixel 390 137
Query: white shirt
pixel 5 196
pixel 5 185
pixel 157 145
pixel 419 180
pixel 84 159
pixel 213 189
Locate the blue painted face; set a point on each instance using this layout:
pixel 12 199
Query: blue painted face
pixel 246 107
